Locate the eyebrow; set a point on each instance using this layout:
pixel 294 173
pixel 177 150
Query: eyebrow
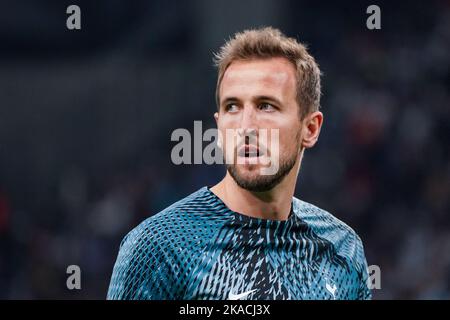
pixel 269 98
pixel 229 99
pixel 257 98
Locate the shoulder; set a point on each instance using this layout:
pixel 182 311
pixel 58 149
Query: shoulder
pixel 345 240
pixel 152 253
pixel 182 223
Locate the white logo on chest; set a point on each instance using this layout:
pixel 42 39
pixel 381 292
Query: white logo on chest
pixel 331 289
pixel 232 296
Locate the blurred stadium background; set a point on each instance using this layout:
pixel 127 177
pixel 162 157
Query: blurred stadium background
pixel 86 118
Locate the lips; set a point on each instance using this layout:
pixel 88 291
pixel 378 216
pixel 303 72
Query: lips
pixel 249 151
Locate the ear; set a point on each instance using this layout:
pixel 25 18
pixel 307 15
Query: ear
pixel 311 129
pixel 216 117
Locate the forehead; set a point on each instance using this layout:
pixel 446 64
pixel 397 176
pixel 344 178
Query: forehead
pixel 259 76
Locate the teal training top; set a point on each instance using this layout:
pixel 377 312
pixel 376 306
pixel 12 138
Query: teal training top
pixel 200 249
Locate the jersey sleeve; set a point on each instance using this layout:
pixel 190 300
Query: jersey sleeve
pixel 141 271
pixel 364 292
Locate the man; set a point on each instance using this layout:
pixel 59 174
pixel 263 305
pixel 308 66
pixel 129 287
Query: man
pixel 248 237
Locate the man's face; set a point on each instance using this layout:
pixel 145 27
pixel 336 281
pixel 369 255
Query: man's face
pixel 257 96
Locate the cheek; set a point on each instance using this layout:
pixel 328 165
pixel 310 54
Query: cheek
pixel 227 138
pixel 290 137
pixel 227 120
pixel 222 126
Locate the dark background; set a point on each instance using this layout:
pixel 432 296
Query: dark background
pixel 86 118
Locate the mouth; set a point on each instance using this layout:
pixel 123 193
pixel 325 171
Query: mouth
pixel 249 151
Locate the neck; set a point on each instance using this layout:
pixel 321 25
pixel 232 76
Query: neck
pixel 274 204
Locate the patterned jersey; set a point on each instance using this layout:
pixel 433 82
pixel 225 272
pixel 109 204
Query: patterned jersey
pixel 200 249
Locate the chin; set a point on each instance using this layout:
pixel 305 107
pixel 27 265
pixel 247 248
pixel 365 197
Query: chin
pixel 249 171
pixel 249 174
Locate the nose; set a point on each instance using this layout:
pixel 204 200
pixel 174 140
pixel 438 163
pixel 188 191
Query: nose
pixel 248 122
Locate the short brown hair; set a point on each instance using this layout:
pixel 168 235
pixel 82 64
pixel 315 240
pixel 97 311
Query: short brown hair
pixel 266 43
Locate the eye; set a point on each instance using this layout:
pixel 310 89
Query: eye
pixel 231 107
pixel 266 107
